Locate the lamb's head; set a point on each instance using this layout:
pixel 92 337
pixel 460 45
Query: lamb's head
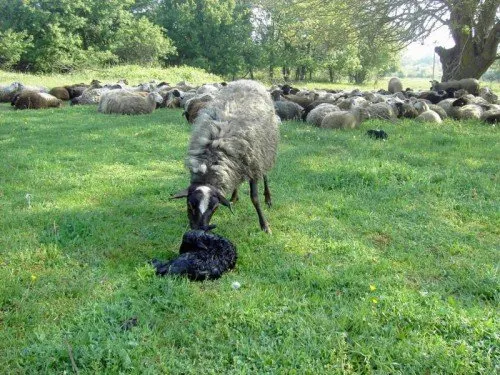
pixel 202 202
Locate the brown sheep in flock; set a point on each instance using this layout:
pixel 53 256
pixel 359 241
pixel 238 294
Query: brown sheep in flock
pixel 35 100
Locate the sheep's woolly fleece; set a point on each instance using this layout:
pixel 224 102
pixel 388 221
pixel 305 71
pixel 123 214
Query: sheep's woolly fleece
pixel 234 138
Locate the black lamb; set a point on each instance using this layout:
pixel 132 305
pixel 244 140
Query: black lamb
pixel 203 256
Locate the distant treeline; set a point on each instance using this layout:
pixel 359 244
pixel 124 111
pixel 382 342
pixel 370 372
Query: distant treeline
pixel 233 38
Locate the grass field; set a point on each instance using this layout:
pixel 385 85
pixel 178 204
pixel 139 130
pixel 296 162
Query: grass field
pixel 383 259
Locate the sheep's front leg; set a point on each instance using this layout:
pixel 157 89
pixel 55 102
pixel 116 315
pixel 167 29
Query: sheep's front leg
pixel 267 193
pixel 254 195
pixel 234 196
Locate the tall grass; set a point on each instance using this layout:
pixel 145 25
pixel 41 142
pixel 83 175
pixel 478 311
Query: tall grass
pixel 383 259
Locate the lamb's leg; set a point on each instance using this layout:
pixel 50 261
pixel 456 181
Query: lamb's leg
pixel 267 193
pixel 254 195
pixel 234 196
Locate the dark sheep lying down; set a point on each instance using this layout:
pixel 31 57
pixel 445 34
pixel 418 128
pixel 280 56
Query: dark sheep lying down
pixel 203 256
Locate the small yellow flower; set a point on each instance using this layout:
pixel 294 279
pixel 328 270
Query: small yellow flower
pixel 373 288
pixel 374 300
pixel 33 278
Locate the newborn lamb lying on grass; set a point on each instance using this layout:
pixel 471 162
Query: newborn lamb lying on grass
pixel 203 256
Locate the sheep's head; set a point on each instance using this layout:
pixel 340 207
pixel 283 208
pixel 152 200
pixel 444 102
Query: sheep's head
pixel 156 96
pixel 434 85
pixel 202 202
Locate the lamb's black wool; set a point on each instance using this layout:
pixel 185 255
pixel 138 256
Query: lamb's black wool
pixel 377 134
pixel 203 256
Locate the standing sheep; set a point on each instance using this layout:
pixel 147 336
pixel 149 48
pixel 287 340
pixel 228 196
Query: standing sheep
pixel 235 138
pixel 395 85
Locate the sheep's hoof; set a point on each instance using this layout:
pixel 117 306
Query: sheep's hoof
pixel 266 228
pixel 269 203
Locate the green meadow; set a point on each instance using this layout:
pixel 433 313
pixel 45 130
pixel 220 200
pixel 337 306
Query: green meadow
pixel 383 258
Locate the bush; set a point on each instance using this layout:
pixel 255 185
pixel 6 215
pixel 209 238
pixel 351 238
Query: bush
pixel 141 42
pixel 12 46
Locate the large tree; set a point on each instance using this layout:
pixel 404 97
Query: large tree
pixel 473 24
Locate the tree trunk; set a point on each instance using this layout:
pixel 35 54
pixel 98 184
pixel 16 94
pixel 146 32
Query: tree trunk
pixel 302 73
pixel 286 73
pixel 465 64
pixel 475 47
pixel 330 73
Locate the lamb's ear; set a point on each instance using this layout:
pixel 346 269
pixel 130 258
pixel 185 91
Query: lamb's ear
pixel 180 194
pixel 225 202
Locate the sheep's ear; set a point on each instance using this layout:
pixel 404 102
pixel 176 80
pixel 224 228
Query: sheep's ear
pixel 225 202
pixel 180 194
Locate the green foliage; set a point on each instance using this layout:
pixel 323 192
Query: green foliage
pixel 376 57
pixel 77 34
pixel 382 259
pixel 138 41
pixel 232 38
pixel 213 35
pixel 12 46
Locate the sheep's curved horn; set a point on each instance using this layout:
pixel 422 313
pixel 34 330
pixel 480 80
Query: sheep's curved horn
pixel 180 194
pixel 225 202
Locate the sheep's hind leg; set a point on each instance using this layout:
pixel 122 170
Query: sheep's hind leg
pixel 254 195
pixel 267 193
